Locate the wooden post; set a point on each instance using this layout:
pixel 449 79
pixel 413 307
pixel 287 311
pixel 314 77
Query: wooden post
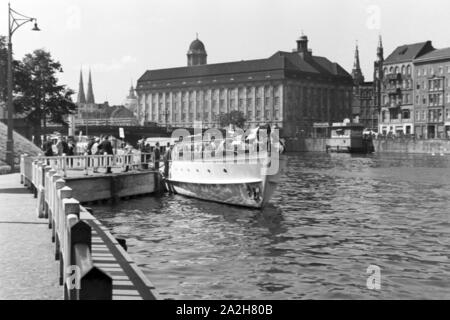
pixel 64 164
pixel 47 170
pixel 53 201
pixel 70 207
pixel 22 168
pixel 48 192
pixel 94 283
pixel 41 191
pixel 71 220
pixel 86 165
pixel 63 193
pixel 59 184
pixel 35 162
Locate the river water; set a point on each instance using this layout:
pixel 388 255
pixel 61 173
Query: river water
pixel 332 216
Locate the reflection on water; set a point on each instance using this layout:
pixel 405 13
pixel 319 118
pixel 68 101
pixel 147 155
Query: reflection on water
pixel 332 216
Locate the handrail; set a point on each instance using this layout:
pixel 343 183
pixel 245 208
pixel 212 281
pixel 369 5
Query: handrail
pixel 91 162
pixel 81 278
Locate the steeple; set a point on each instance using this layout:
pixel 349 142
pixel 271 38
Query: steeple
pixel 90 91
pixel 380 53
pixel 81 99
pixel 131 94
pixel 357 75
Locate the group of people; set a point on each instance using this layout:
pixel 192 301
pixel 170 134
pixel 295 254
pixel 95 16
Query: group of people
pixel 62 146
pixel 103 146
pixel 100 146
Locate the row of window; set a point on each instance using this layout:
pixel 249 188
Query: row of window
pixel 406 70
pixel 431 71
pixel 220 93
pixel 395 70
pixel 260 115
pixel 435 115
pixel 432 100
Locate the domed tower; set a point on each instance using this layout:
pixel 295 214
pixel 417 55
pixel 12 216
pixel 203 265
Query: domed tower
pixel 197 53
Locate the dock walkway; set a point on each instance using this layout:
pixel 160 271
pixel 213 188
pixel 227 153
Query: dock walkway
pixel 27 259
pixel 27 255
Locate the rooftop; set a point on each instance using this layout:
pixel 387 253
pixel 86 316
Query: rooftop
pixel 409 52
pixel 437 54
pixel 287 61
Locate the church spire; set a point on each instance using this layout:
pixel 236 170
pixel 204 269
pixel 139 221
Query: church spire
pixel 90 91
pixel 131 94
pixel 357 75
pixel 380 49
pixel 81 99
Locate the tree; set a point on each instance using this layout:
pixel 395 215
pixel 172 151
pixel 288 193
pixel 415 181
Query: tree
pixel 38 96
pixel 235 118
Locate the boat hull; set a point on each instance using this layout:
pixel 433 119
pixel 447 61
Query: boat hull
pixel 244 194
pixel 241 185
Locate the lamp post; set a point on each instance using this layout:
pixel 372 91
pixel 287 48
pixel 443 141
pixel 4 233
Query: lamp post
pixel 15 21
pixel 166 114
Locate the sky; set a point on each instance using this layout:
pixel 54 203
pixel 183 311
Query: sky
pixel 118 40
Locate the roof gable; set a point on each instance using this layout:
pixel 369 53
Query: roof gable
pixel 409 52
pixel 438 54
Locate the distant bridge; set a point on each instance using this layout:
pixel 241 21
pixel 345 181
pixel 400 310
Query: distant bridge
pixel 133 133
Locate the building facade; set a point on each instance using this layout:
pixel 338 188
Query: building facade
pixel 291 90
pixel 398 89
pixel 363 107
pixel 432 95
pixel 416 92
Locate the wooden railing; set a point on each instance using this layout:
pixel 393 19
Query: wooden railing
pixel 89 163
pixel 81 278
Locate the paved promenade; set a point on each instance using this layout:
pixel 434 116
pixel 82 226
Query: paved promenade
pixel 28 269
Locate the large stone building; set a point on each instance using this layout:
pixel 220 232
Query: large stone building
pixel 289 89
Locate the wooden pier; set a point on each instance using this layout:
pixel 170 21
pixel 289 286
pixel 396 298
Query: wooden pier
pixel 93 265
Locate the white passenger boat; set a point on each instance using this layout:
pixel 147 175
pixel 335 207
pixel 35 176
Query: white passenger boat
pixel 225 171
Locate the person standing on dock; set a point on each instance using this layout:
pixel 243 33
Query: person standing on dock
pixel 107 149
pixel 95 152
pixel 167 159
pixel 48 148
pixel 157 156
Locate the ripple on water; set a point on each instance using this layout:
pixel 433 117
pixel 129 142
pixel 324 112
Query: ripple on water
pixel 331 217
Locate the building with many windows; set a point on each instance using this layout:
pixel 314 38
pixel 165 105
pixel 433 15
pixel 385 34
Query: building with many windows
pixel 398 89
pixel 416 92
pixel 432 94
pixel 291 90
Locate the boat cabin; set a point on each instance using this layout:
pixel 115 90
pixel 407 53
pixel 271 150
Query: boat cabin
pixel 346 137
